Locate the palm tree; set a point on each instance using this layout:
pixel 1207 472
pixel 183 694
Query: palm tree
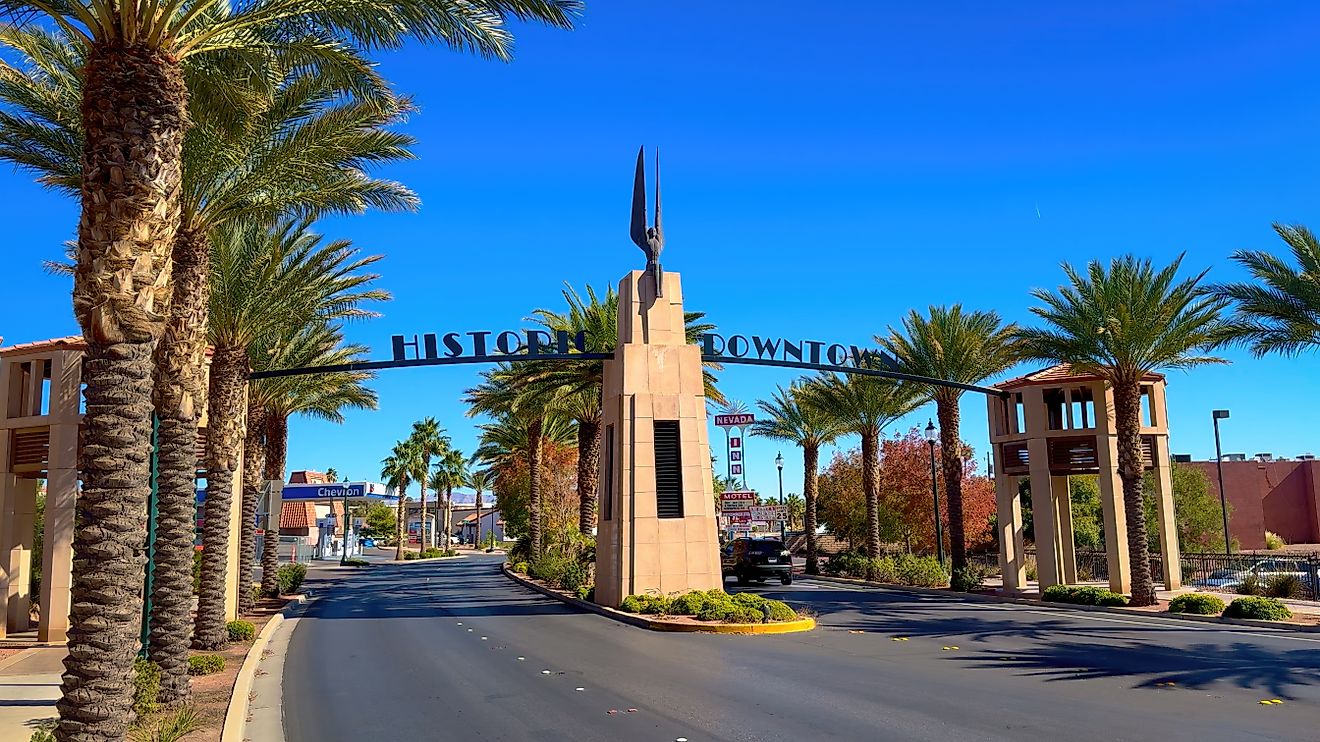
pixel 430 441
pixel 264 281
pixel 134 115
pixel 864 405
pixel 1122 323
pixel 1280 312
pixel 397 470
pixel 450 472
pixel 790 418
pixel 332 475
pixel 480 480
pixel 511 437
pixel 273 401
pixel 797 510
pixel 963 347
pixel 313 134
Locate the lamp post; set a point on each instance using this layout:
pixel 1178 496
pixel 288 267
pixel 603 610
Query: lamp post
pixel 783 514
pixel 931 435
pixel 1216 416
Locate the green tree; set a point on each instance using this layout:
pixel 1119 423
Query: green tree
pixel 864 405
pixel 450 471
pixel 808 426
pixel 380 521
pixel 1122 323
pixel 962 347
pixel 431 442
pixel 1280 311
pixel 1199 515
pixel 797 509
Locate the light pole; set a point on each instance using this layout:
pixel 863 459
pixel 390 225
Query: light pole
pixel 1218 415
pixel 934 491
pixel 783 514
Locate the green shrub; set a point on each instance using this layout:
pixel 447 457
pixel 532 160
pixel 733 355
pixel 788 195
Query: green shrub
pixel 241 631
pixel 1197 603
pixel 647 604
pixel 966 579
pixel 435 553
pixel 1285 586
pixel 550 567
pixel 146 687
pixel 410 556
pixel 291 578
pixel 1274 541
pixel 355 563
pixel 44 733
pixel 1083 595
pixel 716 608
pixel 587 593
pixel 170 728
pixel 745 614
pixel 574 576
pixel 886 569
pixel 687 604
pixel 520 567
pixel 522 550
pixel 846 564
pixel 205 664
pixel 1265 609
pixel 920 571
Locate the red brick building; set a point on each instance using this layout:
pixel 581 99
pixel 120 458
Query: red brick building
pixel 1278 496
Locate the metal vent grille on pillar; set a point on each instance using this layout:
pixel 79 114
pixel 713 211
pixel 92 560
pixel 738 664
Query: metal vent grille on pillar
pixel 668 470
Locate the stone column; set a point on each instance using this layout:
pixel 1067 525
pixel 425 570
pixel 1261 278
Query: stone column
pixel 20 500
pixel 654 378
pixel 1170 551
pixel 1008 506
pixel 1064 533
pixel 1043 516
pixel 57 548
pixel 1111 492
pixel 233 580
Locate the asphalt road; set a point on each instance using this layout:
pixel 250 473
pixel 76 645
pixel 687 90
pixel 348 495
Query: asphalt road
pixel 453 650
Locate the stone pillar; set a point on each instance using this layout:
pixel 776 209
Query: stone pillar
pixel 57 549
pixel 1043 517
pixel 1064 529
pixel 1170 550
pixel 1008 506
pixel 1111 495
pixel 654 380
pixel 233 580
pixel 20 501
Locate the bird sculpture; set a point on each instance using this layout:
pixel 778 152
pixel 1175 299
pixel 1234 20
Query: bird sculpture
pixel 650 239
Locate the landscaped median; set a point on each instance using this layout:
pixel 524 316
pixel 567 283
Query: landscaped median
pixel 743 613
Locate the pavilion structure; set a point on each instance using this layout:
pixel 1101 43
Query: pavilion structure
pixel 41 410
pixel 1053 424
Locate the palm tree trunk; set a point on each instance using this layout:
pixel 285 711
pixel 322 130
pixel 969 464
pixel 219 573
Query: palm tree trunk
pixel 399 523
pixel 134 113
pixel 276 453
pixel 179 394
pixel 1127 423
pixel 226 408
pixel 254 464
pixel 951 465
pixel 534 485
pixel 588 473
pixel 871 489
pixel 421 529
pixel 477 544
pixel 810 462
pixel 446 527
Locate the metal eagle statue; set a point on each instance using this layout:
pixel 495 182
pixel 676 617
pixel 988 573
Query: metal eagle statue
pixel 650 239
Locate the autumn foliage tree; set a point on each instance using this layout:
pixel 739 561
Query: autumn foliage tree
pixel 559 503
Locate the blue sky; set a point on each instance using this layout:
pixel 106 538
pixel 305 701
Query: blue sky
pixel 823 175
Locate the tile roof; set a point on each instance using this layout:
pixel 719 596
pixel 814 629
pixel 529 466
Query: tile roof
pixel 298 515
pixel 73 342
pixel 1056 374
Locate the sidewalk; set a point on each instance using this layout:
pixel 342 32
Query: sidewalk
pixel 1302 607
pixel 29 687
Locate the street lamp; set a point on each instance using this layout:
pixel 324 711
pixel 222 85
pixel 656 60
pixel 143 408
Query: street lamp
pixel 1218 415
pixel 931 435
pixel 783 514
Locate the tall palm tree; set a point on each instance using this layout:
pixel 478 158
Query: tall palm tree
pixel 864 405
pixel 511 438
pixel 963 347
pixel 264 282
pixel 450 471
pixel 300 146
pixel 1280 312
pixel 430 441
pixel 274 400
pixel 480 480
pixel 398 470
pixel 789 418
pixel 1121 323
pixel 134 115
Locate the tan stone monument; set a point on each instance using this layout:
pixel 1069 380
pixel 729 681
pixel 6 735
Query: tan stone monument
pixel 1054 424
pixel 657 532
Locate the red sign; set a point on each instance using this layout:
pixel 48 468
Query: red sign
pixel 734 421
pixel 737 500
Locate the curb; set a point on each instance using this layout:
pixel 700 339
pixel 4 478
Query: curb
pixel 18 657
pixel 974 597
pixel 653 624
pixel 240 695
pixel 414 562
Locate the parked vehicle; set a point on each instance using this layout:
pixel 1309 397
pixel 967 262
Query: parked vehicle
pixel 757 559
pixel 367 543
pixel 1229 580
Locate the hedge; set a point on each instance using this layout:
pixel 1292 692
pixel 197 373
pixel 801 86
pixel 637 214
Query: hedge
pixel 1197 603
pixel 1083 595
pixel 1265 609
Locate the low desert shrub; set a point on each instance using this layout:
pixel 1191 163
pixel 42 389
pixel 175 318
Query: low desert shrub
pixel 966 579
pixel 846 564
pixel 411 556
pixel 291 578
pixel 169 728
pixel 146 687
pixel 520 567
pixel 241 631
pixel 1083 595
pixel 205 664
pixel 1274 541
pixel 587 593
pixel 1285 586
pixel 655 605
pixel 920 571
pixel 355 563
pixel 1197 603
pixel 1262 608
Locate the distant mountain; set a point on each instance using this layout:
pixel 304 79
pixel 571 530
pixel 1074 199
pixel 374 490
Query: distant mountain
pixel 470 498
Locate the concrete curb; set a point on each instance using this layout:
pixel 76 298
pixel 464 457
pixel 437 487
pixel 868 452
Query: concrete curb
pixel 655 624
pixel 236 713
pixel 431 560
pixel 18 657
pixel 974 597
